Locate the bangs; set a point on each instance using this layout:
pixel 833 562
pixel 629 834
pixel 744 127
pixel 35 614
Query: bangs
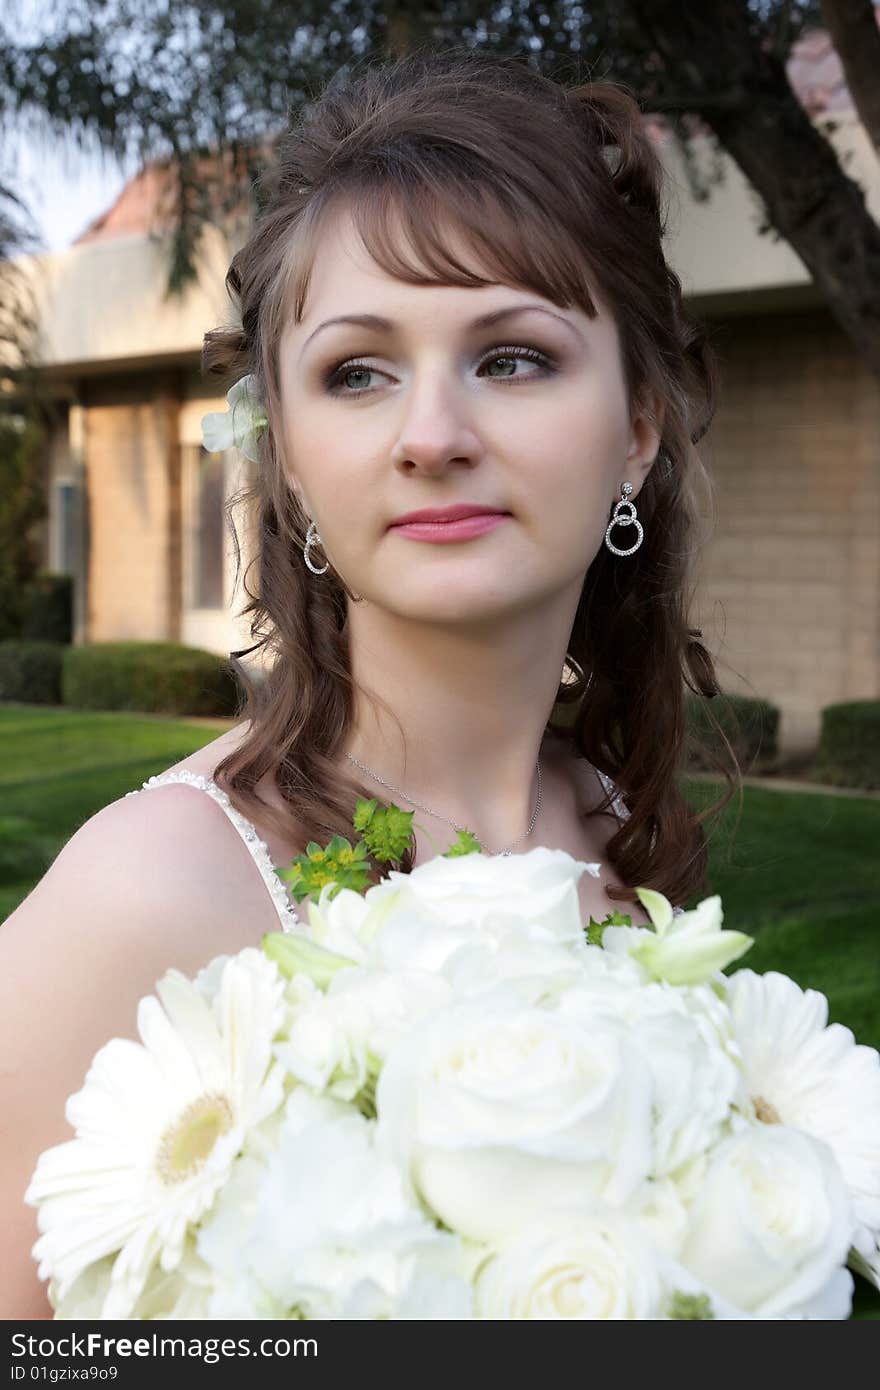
pixel 419 232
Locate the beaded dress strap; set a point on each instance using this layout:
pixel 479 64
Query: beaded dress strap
pixel 257 848
pixel 622 812
pixel 617 803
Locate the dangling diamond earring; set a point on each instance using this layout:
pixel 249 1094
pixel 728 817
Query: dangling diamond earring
pixel 619 518
pixel 313 538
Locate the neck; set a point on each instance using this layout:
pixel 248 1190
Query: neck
pixel 472 705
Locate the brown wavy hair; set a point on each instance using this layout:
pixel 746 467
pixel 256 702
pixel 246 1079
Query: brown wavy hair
pixel 556 188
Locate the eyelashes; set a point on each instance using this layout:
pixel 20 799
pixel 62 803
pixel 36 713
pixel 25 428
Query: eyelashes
pixel 333 378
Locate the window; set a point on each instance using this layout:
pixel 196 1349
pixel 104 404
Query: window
pixel 207 528
pixel 67 528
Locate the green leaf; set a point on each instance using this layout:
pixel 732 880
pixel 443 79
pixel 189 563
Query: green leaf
pixel 295 954
pixel 387 830
pixel 465 843
pixel 364 812
pixel 596 930
pixel 690 1307
pixel 339 864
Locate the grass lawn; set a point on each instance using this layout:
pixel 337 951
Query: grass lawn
pixel 58 767
pixel 799 872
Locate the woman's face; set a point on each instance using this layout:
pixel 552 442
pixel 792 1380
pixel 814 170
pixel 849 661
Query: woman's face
pixel 528 415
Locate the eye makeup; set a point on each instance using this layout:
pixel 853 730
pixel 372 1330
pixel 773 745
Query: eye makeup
pixel 333 377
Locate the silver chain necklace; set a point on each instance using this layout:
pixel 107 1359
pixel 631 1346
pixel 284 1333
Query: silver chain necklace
pixel 446 818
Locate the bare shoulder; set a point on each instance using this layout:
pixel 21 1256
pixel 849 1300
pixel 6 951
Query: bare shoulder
pixel 164 865
pixel 152 881
pixel 131 893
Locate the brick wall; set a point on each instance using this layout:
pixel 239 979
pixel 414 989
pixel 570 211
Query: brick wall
pixel 789 595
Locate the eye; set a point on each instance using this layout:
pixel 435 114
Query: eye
pixel 512 354
pixel 335 378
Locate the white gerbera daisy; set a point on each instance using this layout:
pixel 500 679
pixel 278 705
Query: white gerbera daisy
pixel 158 1127
pixel 802 1072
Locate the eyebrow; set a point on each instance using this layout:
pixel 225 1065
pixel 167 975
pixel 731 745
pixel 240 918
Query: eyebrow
pixel 381 325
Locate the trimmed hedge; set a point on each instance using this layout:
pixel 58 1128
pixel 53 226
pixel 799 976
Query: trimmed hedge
pixel 47 608
pixel 750 724
pixel 849 745
pixel 149 677
pixel 30 672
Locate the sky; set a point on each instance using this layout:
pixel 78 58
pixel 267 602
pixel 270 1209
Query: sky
pixel 63 187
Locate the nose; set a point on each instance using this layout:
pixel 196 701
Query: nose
pixel 436 429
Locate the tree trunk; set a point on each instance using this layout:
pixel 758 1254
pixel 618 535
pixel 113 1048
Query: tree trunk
pixel 739 88
pixel 852 25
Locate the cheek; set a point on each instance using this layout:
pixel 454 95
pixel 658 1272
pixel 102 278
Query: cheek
pixel 580 485
pixel 586 431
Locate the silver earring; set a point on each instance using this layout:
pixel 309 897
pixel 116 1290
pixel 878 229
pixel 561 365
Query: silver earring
pixel 620 518
pixel 313 538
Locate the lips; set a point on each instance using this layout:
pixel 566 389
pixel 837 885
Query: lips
pixel 456 512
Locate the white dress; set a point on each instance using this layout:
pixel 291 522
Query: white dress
pixel 258 850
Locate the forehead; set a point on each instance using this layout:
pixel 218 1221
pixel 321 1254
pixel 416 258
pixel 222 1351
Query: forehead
pixel 344 278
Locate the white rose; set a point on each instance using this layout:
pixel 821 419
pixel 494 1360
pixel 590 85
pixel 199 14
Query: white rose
pixel 694 1080
pixel 537 889
pixel 325 1213
pixel 662 1214
pixel 383 929
pixel 416 938
pixel 343 923
pixel 336 1040
pixel 494 1110
pixel 771 1223
pixel 572 1262
pixel 540 969
pixel 475 956
pixel 429 1281
pixel 418 921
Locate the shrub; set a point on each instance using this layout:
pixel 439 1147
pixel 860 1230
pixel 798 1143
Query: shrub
pixel 30 672
pixel 849 745
pixel 22 506
pixel 150 677
pixel 47 608
pixel 751 725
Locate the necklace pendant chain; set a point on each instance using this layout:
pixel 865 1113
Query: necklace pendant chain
pixel 504 853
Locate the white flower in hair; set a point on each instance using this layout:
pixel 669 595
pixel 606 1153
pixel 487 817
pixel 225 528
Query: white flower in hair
pixel 240 426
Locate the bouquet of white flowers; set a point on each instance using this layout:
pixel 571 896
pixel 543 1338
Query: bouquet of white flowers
pixel 447 1098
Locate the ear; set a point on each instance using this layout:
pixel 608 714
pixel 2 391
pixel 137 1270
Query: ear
pixel 646 432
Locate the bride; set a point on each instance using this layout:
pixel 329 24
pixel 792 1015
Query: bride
pixel 456 299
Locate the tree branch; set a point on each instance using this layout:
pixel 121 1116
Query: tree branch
pixel 852 25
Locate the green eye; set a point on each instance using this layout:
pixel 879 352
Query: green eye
pixel 336 377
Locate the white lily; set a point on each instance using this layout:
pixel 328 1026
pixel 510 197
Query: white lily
pixel 684 950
